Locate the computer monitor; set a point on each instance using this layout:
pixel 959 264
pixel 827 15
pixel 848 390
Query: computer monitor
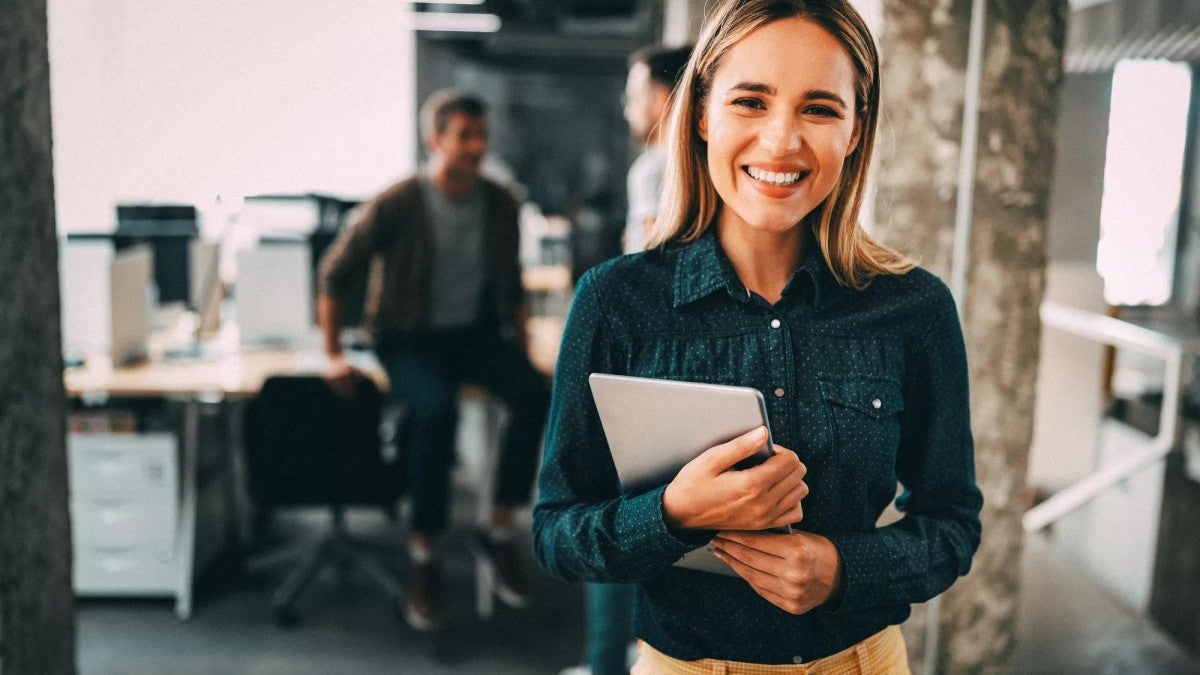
pixel 316 218
pixel 205 289
pixel 85 266
pixel 273 295
pixel 169 230
pixel 131 276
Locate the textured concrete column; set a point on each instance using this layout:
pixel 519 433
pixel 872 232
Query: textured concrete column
pixel 924 48
pixel 923 51
pixel 37 608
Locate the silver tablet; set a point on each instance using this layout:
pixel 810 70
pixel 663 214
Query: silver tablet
pixel 655 426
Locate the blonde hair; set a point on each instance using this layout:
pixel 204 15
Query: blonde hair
pixel 690 202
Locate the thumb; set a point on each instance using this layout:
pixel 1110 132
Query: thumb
pixel 720 457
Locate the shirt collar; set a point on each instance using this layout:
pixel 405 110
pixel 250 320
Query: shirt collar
pixel 703 268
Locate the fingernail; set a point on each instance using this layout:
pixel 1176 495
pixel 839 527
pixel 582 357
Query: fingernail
pixel 760 434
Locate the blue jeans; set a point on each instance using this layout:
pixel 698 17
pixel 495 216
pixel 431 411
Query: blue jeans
pixel 424 370
pixel 610 627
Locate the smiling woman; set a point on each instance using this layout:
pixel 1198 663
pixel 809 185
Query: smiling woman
pixel 760 276
pixel 778 133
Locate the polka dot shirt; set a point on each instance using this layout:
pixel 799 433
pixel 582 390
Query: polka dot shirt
pixel 868 387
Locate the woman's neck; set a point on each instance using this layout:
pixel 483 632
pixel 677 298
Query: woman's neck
pixel 764 261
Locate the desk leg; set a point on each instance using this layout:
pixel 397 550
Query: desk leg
pixel 485 576
pixel 185 542
pixel 238 492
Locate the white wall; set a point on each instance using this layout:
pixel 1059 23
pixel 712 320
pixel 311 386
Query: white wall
pixel 185 101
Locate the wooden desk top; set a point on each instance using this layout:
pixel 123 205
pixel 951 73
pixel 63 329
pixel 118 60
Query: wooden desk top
pixel 240 372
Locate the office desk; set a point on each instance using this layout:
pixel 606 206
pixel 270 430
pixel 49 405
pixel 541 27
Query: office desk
pixel 231 374
pixel 191 382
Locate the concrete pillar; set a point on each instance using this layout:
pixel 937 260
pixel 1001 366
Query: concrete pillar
pixel 923 52
pixel 924 48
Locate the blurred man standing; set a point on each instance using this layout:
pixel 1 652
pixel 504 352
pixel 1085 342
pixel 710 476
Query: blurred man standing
pixel 446 307
pixel 653 73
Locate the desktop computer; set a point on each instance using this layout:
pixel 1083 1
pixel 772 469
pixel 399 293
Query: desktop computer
pixel 316 219
pixel 84 270
pixel 130 278
pixel 169 230
pixel 205 290
pixel 274 294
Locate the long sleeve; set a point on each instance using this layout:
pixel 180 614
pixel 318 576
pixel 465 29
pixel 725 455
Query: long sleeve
pixel 584 527
pixel 921 555
pixel 507 211
pixel 351 252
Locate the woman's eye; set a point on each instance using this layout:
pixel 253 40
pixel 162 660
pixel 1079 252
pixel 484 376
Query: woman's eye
pixel 822 111
pixel 752 103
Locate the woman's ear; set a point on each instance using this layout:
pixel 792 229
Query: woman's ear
pixel 855 136
pixel 702 124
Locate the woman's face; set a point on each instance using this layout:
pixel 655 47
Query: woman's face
pixel 779 121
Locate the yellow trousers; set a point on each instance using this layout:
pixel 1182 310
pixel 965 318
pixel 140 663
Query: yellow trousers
pixel 881 654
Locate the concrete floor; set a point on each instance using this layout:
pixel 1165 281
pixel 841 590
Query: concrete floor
pixel 348 625
pixel 1066 625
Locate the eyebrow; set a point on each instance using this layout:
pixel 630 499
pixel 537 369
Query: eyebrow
pixel 810 95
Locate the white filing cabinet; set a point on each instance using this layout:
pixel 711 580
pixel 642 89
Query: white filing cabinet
pixel 125 512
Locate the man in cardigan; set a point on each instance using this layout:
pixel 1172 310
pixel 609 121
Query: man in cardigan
pixel 445 306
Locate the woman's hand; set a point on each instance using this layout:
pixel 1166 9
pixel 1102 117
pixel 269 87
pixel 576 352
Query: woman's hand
pixel 706 495
pixel 795 572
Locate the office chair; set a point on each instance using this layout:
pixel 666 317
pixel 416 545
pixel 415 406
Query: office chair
pixel 306 445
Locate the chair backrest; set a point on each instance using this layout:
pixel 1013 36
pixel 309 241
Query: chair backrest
pixel 307 445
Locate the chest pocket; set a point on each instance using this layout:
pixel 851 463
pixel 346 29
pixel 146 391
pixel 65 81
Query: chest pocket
pixel 864 414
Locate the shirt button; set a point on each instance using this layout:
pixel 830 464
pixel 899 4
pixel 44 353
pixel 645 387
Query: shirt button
pixel 876 404
pixel 779 392
pixel 775 323
pixel 797 659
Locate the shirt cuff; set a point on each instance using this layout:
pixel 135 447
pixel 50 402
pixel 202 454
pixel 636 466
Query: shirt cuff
pixel 859 552
pixel 641 519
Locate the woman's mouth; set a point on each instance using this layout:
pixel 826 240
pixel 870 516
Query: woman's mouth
pixel 775 178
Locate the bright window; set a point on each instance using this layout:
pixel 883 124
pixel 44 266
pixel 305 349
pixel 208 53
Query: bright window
pixel 1143 176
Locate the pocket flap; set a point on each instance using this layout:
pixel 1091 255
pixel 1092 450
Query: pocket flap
pixel 877 398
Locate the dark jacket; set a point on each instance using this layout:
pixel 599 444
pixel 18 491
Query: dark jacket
pixel 394 237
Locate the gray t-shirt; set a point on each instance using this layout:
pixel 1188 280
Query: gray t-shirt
pixel 644 188
pixel 456 284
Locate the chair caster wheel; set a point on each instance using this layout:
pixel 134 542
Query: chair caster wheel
pixel 286 618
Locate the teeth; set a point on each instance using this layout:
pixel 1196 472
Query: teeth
pixel 772 177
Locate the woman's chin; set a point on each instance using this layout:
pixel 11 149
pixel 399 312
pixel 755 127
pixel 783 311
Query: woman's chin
pixel 775 225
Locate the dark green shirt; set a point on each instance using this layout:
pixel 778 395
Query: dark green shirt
pixel 867 387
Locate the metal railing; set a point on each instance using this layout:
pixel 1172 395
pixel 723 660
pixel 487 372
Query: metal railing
pixel 1171 349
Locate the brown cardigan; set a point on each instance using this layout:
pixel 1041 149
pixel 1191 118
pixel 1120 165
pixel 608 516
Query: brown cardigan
pixel 393 236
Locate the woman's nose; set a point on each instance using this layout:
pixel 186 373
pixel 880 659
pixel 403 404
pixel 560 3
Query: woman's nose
pixel 781 135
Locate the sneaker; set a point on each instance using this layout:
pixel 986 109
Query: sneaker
pixel 502 557
pixel 422 595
